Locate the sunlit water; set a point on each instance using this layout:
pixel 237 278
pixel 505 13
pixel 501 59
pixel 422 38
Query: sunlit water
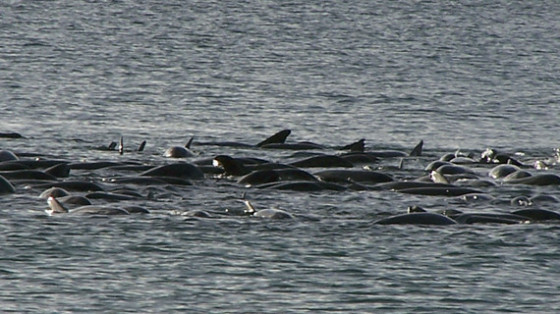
pixel 76 75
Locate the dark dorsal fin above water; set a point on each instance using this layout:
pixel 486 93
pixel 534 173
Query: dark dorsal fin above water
pixel 358 146
pixel 277 138
pixel 189 143
pixel 417 150
pixel 61 170
pixel 112 146
pixel 6 186
pixel 142 146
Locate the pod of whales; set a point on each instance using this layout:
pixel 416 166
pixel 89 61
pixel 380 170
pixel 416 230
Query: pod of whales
pixel 125 183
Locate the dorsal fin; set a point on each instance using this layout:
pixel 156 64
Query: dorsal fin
pixel 112 146
pixel 121 146
pixel 417 150
pixel 277 138
pixel 250 208
pixel 56 206
pixel 142 145
pixel 416 209
pixel 437 177
pixel 189 143
pixel 358 146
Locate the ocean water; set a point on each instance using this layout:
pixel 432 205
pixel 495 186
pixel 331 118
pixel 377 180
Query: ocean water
pixel 461 75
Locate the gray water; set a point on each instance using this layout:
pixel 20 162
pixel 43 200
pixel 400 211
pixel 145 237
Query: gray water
pixel 468 75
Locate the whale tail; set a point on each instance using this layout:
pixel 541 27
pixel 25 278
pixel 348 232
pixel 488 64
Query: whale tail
pixel 417 150
pixel 277 138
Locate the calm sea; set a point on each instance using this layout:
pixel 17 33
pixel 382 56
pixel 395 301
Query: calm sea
pixel 461 75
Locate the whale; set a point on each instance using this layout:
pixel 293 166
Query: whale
pixel 238 167
pixel 94 165
pixel 400 185
pixel 74 200
pixel 75 186
pixel 34 163
pixel 543 198
pixel 493 156
pixel 436 164
pixel 538 214
pixel 180 151
pixel 12 135
pixel 273 175
pixel 53 191
pixel 294 146
pixel 180 170
pixel 345 176
pixel 448 191
pixel 269 213
pixel 27 175
pixel 519 174
pixel 149 180
pixel 452 169
pixel 61 170
pixel 358 146
pixel 415 152
pixel 417 218
pixel 6 155
pixel 6 186
pixel 56 207
pixel 303 186
pixel 359 158
pixel 492 218
pixel 475 218
pixel 278 137
pixel 538 179
pixel 133 209
pixel 322 161
pixel 10 165
pixel 502 171
pixel 110 196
